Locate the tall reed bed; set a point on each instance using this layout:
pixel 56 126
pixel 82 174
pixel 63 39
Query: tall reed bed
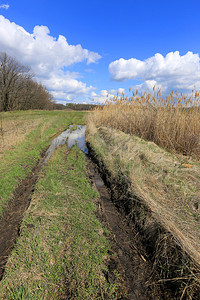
pixel 172 122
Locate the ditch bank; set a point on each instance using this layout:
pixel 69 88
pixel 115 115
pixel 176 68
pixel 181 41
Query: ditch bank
pixel 169 268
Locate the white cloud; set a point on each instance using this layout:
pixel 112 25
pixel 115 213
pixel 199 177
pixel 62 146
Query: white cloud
pixel 89 71
pixel 63 86
pixel 5 6
pixel 148 86
pixel 121 90
pixel 170 72
pixel 47 56
pixel 93 94
pixel 105 95
pixel 40 49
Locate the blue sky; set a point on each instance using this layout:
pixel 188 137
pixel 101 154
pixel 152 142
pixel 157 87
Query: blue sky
pixel 122 44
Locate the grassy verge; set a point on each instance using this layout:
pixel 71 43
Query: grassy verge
pixel 25 136
pixel 161 194
pixel 62 246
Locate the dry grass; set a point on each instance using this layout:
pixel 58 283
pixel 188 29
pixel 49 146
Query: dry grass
pixel 170 190
pixel 14 130
pixel 14 127
pixel 165 202
pixel 172 122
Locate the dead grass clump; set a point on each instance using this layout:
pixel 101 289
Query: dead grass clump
pixel 176 269
pixel 172 122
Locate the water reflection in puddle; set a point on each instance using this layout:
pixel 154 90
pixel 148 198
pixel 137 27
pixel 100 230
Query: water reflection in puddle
pixel 75 137
pixel 78 137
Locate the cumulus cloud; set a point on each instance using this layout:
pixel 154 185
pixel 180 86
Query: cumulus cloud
pixel 64 86
pixel 170 72
pixel 105 95
pixel 5 6
pixel 47 56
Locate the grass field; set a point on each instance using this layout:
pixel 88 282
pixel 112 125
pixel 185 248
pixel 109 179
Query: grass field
pixel 24 136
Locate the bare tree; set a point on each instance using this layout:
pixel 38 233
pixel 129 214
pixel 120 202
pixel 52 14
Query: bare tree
pixel 18 90
pixel 11 76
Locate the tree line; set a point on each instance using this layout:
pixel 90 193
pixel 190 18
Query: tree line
pixel 18 88
pixel 81 106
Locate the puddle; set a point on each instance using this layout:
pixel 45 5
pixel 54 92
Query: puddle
pixel 59 140
pixel 78 137
pixel 75 137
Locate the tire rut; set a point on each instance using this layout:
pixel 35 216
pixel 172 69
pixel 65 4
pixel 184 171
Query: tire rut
pixel 129 256
pixel 13 214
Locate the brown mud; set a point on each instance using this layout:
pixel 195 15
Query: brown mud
pixel 13 214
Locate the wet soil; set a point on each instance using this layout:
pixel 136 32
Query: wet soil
pixel 13 214
pixel 129 256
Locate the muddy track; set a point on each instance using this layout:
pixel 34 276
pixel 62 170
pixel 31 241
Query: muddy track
pixel 129 257
pixel 12 216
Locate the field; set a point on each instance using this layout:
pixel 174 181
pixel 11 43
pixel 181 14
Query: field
pixel 122 222
pixel 61 246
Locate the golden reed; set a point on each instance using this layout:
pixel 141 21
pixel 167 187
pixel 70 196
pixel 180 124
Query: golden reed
pixel 172 122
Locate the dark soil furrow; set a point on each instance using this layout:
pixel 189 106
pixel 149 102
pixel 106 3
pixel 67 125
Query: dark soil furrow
pixel 13 214
pixel 129 257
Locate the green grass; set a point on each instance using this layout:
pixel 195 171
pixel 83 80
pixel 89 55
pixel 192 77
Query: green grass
pixel 62 247
pixel 17 163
